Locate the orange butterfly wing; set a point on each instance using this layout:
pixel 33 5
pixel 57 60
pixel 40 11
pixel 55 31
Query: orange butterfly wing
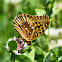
pixel 31 27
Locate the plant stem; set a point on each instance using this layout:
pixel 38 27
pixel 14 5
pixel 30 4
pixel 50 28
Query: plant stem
pixel 2 46
pixel 32 45
pixel 12 58
pixel 48 32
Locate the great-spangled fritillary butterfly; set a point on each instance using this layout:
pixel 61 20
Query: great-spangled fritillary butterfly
pixel 31 27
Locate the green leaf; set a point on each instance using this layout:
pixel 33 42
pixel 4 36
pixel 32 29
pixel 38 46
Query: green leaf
pixel 23 58
pixel 6 55
pixel 47 59
pixel 43 42
pixel 60 58
pixel 31 55
pixel 47 1
pixel 39 50
pixel 55 11
pixel 34 61
pixel 40 12
pixel 39 54
pixel 12 45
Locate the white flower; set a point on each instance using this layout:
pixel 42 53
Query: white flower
pixel 7 44
pixel 13 1
pixel 59 43
pixel 54 32
pixel 20 45
pixel 52 44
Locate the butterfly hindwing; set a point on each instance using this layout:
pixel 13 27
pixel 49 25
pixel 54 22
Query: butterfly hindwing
pixel 41 25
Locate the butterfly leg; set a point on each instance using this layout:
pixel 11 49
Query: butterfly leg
pixel 29 42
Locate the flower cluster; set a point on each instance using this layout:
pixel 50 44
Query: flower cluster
pixel 20 45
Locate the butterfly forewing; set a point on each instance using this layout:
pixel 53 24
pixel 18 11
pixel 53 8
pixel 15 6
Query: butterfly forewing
pixel 24 25
pixel 31 27
pixel 41 24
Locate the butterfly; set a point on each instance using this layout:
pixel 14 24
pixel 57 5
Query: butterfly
pixel 31 27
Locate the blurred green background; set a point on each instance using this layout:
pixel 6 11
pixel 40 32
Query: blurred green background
pixel 50 42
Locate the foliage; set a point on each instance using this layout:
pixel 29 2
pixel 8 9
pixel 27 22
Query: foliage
pixel 12 45
pixel 39 52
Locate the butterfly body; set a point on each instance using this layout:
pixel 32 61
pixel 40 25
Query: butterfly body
pixel 31 27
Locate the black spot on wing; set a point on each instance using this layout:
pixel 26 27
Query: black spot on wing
pixel 35 22
pixel 42 28
pixel 39 22
pixel 25 17
pixel 39 32
pixel 35 28
pixel 38 26
pixel 43 31
pixel 14 22
pixel 35 35
pixel 19 25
